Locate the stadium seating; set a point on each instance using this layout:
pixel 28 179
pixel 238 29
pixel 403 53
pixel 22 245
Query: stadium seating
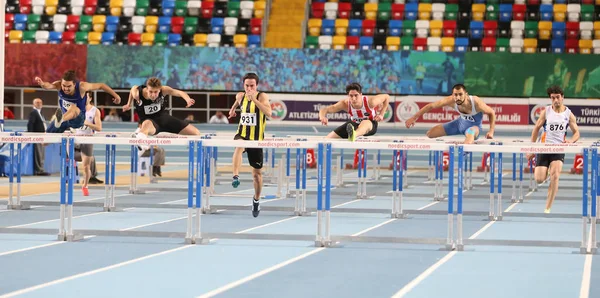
pixel 136 22
pixel 520 26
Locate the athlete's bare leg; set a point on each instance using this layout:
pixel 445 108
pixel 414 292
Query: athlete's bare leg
pixel 190 130
pixel 555 169
pixel 332 135
pixel 148 128
pixel 471 134
pixel 363 128
pixel 436 132
pixel 237 162
pixel 72 112
pixel 258 182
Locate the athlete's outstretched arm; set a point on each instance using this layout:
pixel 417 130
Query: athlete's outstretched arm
pixel 47 85
pixel 174 92
pixel 536 130
pixel 483 107
pixel 236 103
pixel 574 129
pixel 434 105
pixel 338 106
pixel 86 86
pixel 380 99
pixel 132 96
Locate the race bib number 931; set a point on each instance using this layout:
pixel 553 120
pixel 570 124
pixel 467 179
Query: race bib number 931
pixel 248 119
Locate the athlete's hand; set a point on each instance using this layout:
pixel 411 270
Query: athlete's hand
pixel 489 135
pixel 38 81
pixel 410 122
pixel 530 156
pixel 378 118
pixel 232 113
pixel 324 120
pixel 569 141
pixel 251 95
pixel 190 102
pixel 117 100
pixel 126 108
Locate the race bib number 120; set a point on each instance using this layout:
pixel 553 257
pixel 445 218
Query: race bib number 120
pixel 248 119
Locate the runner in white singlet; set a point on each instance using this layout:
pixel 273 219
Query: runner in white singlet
pixel 555 120
pixel 91 125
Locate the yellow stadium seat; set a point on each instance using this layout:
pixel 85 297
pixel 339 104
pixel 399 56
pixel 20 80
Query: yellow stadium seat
pixel 447 44
pixel 597 29
pixel 341 27
pixel 259 9
pixel 371 11
pixel 240 40
pixel 425 11
pixel 51 3
pixel 545 29
pixel 94 38
pixel 530 45
pixel 116 3
pixel 560 11
pixel 200 40
pixel 98 22
pixel 436 28
pixel 585 46
pixel 147 39
pixel 15 36
pixel 339 42
pixel 116 11
pixel 478 11
pixel 392 43
pixel 151 24
pixel 50 10
pixel 314 27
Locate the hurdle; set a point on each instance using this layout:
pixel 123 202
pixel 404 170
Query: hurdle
pixel 587 244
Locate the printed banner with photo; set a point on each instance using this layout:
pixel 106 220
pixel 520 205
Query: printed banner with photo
pixel 526 75
pixel 506 114
pixel 280 70
pixel 24 62
pixel 288 108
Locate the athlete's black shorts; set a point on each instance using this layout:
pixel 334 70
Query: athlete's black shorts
pixel 544 160
pixel 255 155
pixel 166 123
pixel 342 133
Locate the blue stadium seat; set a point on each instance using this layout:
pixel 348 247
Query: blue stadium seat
pixel 168 6
pixel 327 27
pixel 411 11
pixel 461 44
pixel 253 41
pixel 476 28
pixel 395 28
pixel 108 38
pixel 366 42
pixel 217 25
pixel 505 12
pixel 55 37
pixel 354 27
pixel 546 12
pixel 174 39
pixel 164 24
pixel 112 24
pixel 558 45
pixel 558 30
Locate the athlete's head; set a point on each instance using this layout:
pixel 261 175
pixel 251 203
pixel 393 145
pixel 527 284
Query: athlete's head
pixel 89 98
pixel 67 83
pixel 154 87
pixel 354 91
pixel 556 96
pixel 250 82
pixel 459 94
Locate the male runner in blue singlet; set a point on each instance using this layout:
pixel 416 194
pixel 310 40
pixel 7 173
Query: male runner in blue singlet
pixel 471 109
pixel 72 100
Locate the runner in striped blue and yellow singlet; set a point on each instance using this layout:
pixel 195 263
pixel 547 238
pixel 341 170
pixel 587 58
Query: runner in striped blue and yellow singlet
pixel 254 110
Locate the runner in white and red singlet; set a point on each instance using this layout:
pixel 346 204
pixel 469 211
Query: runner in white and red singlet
pixel 361 108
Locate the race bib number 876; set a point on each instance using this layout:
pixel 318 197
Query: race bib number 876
pixel 248 119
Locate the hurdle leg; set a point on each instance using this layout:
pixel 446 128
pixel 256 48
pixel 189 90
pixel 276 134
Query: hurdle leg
pixel 319 235
pixel 280 179
pixel 327 240
pixel 339 172
pixel 430 167
pixel 303 194
pixel 499 195
pixel 287 173
pixel 364 177
pixel 394 182
pixel 400 185
pixel 513 198
pixel 470 170
pixel 594 196
pixel 62 233
pixel 20 205
pixel 70 235
pixel 584 195
pixel 450 243
pixel 459 216
pixel 404 164
pixel 441 178
pixel 113 173
pixel 131 171
pixel 492 171
pixel 297 196
pixel 11 176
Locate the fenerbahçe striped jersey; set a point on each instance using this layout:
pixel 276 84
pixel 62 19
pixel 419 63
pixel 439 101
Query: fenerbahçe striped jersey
pixel 252 121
